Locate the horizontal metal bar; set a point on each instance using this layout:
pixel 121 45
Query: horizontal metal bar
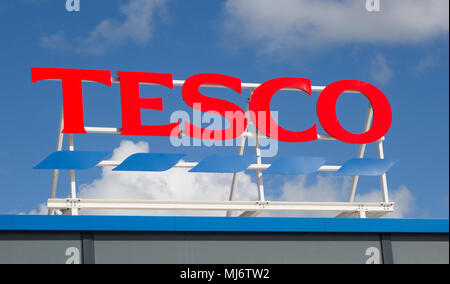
pixel 104 130
pixel 325 137
pixel 180 83
pixel 109 163
pixel 114 130
pixel 250 213
pixel 368 214
pixel 219 205
pixel 329 168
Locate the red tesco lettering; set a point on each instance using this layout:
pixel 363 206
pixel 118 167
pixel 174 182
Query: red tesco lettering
pixel 132 103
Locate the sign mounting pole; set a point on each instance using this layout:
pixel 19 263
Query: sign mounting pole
pixel 240 153
pixel 361 152
pixel 59 145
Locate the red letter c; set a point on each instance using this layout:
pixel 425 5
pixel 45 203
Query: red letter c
pixel 260 110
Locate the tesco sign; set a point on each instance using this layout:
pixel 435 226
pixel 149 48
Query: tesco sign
pixel 259 106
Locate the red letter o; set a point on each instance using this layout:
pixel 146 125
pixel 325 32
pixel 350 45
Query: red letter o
pixel 326 110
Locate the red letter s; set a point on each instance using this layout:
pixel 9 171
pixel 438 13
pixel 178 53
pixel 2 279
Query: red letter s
pixel 230 111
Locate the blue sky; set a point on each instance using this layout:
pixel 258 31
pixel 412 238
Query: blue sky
pixel 402 49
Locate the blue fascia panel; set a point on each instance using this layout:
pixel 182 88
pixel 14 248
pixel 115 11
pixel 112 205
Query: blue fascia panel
pixel 387 225
pixel 248 224
pixel 219 224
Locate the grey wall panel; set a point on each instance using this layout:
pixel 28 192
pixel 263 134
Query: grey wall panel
pixel 245 248
pixel 420 248
pixel 40 247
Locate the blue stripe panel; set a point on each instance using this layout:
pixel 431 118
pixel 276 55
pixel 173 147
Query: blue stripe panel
pixel 150 162
pixel 71 160
pixel 247 224
pixel 366 167
pixel 295 165
pixel 219 224
pixel 386 225
pixel 223 164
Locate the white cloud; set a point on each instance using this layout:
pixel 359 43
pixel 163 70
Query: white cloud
pixel 55 42
pixel 41 210
pixel 284 24
pixel 326 188
pixel 403 198
pixel 336 189
pixel 137 27
pixel 426 63
pixel 380 71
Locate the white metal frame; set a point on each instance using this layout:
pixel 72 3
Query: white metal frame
pixel 72 205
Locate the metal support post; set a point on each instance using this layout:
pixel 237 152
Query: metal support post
pixel 73 187
pixel 240 153
pixel 361 152
pixel 59 144
pixel 383 179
